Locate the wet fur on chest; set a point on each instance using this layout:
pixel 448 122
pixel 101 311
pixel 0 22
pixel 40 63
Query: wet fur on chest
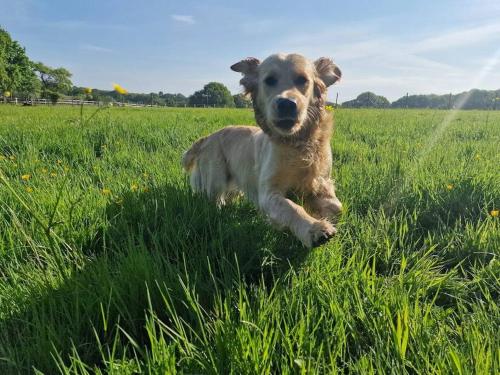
pixel 298 172
pixel 302 166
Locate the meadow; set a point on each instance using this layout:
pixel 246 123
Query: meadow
pixel 108 263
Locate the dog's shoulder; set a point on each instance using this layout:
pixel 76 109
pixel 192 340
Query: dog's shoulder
pixel 239 129
pixel 236 133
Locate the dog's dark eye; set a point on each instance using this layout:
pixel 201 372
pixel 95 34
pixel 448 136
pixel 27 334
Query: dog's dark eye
pixel 300 80
pixel 271 81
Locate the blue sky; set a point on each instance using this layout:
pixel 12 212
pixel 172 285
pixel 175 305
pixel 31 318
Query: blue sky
pixel 388 47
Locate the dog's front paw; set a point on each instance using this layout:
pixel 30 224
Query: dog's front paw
pixel 333 207
pixel 321 231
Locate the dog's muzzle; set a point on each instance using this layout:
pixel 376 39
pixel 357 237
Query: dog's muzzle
pixel 287 113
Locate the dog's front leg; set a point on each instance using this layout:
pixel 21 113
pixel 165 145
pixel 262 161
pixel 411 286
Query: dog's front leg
pixel 324 203
pixel 282 211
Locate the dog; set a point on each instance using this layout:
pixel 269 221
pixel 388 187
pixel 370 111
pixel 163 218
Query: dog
pixel 287 156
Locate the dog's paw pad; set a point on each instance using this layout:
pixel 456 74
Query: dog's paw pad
pixel 321 232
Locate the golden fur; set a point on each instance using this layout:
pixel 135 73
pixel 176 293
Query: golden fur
pixel 288 155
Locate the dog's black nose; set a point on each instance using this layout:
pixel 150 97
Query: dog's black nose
pixel 286 108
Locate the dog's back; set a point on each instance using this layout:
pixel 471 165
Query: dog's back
pixel 189 157
pixel 212 160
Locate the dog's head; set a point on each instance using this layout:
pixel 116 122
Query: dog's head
pixel 288 91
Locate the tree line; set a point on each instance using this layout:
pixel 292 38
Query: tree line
pixel 21 77
pixel 472 99
pixel 213 94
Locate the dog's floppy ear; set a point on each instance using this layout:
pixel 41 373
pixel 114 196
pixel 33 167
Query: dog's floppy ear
pixel 327 71
pixel 248 67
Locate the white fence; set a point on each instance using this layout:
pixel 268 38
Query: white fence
pixel 78 102
pixel 75 102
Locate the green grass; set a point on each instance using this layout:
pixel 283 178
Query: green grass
pixel 108 264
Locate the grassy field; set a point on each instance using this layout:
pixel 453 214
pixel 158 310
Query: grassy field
pixel 108 264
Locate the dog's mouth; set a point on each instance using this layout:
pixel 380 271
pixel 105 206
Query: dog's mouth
pixel 285 124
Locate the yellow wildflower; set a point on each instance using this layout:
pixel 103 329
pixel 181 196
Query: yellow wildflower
pixel 53 174
pixel 87 90
pixel 29 190
pixel 106 191
pixel 25 177
pixel 494 213
pixel 44 170
pixel 59 161
pixel 478 156
pixel 134 187
pixel 329 108
pixel 119 89
pixel 6 94
pixel 449 187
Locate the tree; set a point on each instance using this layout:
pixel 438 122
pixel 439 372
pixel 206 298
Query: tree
pixel 5 42
pixel 242 101
pixel 174 100
pixel 367 100
pixel 422 101
pixel 213 94
pixel 473 99
pixel 53 80
pixel 16 70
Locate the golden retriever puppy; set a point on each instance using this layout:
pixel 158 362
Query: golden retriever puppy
pixel 288 155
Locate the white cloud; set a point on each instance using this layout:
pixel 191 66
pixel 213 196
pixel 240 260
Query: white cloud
pixel 459 38
pixel 393 65
pixel 183 18
pixel 348 44
pixel 72 25
pixel 94 48
pixel 77 25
